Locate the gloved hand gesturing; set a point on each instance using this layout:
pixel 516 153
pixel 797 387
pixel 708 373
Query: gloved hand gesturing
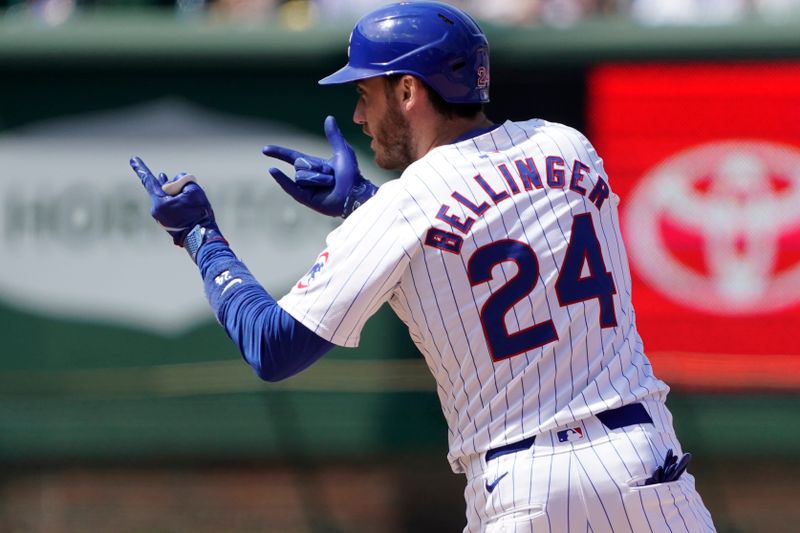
pixel 178 205
pixel 333 187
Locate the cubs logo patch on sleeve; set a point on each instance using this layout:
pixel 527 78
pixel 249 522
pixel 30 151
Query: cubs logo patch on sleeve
pixel 315 269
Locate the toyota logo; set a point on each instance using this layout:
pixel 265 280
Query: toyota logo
pixel 717 227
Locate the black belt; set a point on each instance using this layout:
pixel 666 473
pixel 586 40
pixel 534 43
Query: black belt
pixel 621 417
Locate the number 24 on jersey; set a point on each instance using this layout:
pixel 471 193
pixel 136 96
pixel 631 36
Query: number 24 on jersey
pixel 583 250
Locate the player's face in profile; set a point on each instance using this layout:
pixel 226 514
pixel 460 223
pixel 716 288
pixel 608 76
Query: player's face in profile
pixel 377 111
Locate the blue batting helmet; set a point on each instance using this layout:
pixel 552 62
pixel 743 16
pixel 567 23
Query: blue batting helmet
pixel 438 43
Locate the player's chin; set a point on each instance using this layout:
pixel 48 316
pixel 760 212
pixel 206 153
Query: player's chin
pixel 388 160
pixel 380 154
pixel 388 164
pixel 382 165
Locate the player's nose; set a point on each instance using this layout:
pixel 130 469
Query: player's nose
pixel 358 115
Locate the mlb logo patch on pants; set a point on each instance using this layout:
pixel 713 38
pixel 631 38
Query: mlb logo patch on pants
pixel 569 435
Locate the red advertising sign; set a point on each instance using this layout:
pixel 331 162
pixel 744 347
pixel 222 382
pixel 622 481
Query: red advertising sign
pixel 706 160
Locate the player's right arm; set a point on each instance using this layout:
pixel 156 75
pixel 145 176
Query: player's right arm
pixel 334 186
pixel 270 340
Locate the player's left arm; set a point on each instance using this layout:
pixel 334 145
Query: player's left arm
pixel 270 340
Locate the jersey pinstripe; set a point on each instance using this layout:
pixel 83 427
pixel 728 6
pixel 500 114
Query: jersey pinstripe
pixel 496 252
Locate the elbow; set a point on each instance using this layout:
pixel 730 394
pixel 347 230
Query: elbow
pixel 263 364
pixel 279 352
pixel 273 370
pixel 268 377
pixel 271 374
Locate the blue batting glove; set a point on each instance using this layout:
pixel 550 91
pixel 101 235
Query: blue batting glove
pixel 178 212
pixel 333 187
pixel 671 470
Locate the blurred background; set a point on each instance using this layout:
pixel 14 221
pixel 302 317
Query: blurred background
pixel 124 407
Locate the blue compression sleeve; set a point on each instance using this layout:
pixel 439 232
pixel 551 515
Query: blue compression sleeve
pixel 270 339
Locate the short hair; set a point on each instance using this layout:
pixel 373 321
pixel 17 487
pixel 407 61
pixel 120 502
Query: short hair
pixel 442 106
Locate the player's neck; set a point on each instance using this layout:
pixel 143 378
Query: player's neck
pixel 448 130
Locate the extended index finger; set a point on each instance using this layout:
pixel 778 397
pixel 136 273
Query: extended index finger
pixel 147 178
pixel 284 154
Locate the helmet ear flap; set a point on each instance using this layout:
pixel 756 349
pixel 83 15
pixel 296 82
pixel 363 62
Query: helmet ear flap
pixel 436 42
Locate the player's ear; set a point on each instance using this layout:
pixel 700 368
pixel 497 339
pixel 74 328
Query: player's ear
pixel 411 90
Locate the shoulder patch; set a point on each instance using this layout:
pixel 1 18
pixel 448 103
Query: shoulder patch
pixel 316 268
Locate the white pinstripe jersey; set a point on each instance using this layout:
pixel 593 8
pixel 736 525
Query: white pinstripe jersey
pixel 503 255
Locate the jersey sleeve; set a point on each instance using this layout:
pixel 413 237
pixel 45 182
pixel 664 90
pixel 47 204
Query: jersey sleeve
pixel 357 272
pixel 272 342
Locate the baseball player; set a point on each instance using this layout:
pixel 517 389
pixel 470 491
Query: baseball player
pixel 499 247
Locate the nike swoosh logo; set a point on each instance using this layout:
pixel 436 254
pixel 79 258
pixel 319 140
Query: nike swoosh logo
pixel 491 486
